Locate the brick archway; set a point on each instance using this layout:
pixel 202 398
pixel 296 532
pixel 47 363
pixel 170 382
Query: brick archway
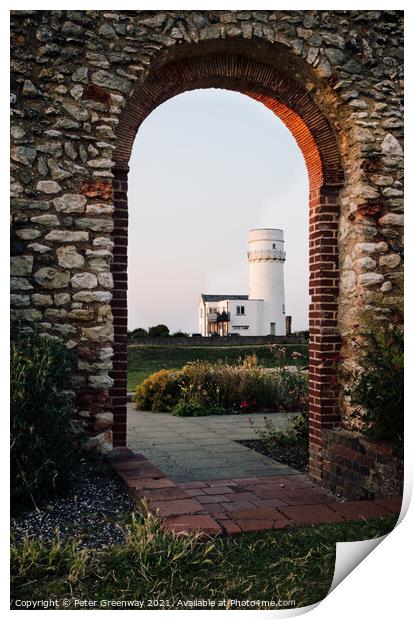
pixel 318 143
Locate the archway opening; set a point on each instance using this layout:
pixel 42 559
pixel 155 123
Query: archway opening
pixel 207 166
pixel 314 136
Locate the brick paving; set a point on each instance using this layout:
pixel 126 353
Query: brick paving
pixel 232 506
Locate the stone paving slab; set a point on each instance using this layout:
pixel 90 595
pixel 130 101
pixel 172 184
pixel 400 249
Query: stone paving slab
pixel 230 506
pixel 202 448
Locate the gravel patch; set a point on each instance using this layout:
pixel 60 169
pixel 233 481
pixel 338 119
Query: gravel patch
pixel 295 456
pixel 92 511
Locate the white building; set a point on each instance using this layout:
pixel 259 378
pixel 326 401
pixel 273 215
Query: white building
pixel 262 311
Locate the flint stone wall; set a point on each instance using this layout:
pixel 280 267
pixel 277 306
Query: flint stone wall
pixel 74 73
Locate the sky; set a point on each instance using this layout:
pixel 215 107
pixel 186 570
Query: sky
pixel 207 166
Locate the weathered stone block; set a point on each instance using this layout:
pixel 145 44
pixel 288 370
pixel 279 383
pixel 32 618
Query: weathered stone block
pixel 48 187
pixel 80 75
pixel 106 280
pixel 81 314
pixel 390 260
pixel 103 382
pixel 84 280
pixel 70 203
pixel 19 300
pixel 41 300
pixel 103 242
pixel 101 163
pixel 48 277
pixel 55 313
pixel 95 224
pixel 391 146
pixel 61 299
pixel 348 281
pixel 100 209
pixel 21 265
pixel 370 279
pixel 392 219
pixel 102 333
pixel 98 264
pixel 64 236
pixel 23 155
pixel 103 420
pixel 108 80
pixel 372 248
pixel 65 329
pixel 38 247
pixel 20 284
pixel 97 189
pixel 366 263
pixel 26 314
pixel 101 443
pixel 28 234
pixel 45 220
pixel 68 257
pixel 91 296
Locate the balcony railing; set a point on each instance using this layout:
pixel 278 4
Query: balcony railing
pixel 259 255
pixel 218 317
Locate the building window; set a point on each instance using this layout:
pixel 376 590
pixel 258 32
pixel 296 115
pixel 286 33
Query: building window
pixel 274 246
pixel 283 309
pixel 201 313
pixel 240 310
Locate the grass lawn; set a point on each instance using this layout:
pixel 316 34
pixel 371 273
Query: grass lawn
pixel 285 565
pixel 145 359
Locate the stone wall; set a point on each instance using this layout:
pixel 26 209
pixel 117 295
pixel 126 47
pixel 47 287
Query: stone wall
pixel 359 468
pixel 83 81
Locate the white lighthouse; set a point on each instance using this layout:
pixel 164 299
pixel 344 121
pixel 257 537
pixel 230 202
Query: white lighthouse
pixel 266 258
pixel 262 311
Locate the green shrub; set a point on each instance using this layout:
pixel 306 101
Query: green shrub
pixel 294 432
pixel 42 436
pixel 293 390
pixel 377 391
pixel 202 388
pixel 160 392
pixel 158 331
pixel 195 410
pixel 139 332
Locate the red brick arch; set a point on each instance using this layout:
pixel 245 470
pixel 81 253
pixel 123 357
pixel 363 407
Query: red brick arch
pixel 290 101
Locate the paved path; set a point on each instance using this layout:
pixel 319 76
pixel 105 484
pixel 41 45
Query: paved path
pixel 232 506
pixel 190 449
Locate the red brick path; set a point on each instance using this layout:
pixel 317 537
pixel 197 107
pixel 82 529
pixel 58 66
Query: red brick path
pixel 238 505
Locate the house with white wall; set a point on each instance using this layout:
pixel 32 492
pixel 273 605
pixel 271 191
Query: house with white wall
pixel 262 311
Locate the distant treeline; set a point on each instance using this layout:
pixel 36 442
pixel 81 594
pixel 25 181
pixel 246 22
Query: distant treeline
pixel 156 331
pixel 162 331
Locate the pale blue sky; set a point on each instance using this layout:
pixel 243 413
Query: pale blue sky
pixel 207 166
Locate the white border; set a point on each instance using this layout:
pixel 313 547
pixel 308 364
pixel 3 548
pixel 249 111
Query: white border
pixel 380 586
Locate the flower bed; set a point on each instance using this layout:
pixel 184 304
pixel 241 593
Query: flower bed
pixel 202 388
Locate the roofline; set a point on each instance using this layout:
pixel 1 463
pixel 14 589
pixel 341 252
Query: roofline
pixel 278 229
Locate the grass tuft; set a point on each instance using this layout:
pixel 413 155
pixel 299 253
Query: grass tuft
pixel 156 565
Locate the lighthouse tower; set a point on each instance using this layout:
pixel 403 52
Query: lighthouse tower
pixel 266 258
